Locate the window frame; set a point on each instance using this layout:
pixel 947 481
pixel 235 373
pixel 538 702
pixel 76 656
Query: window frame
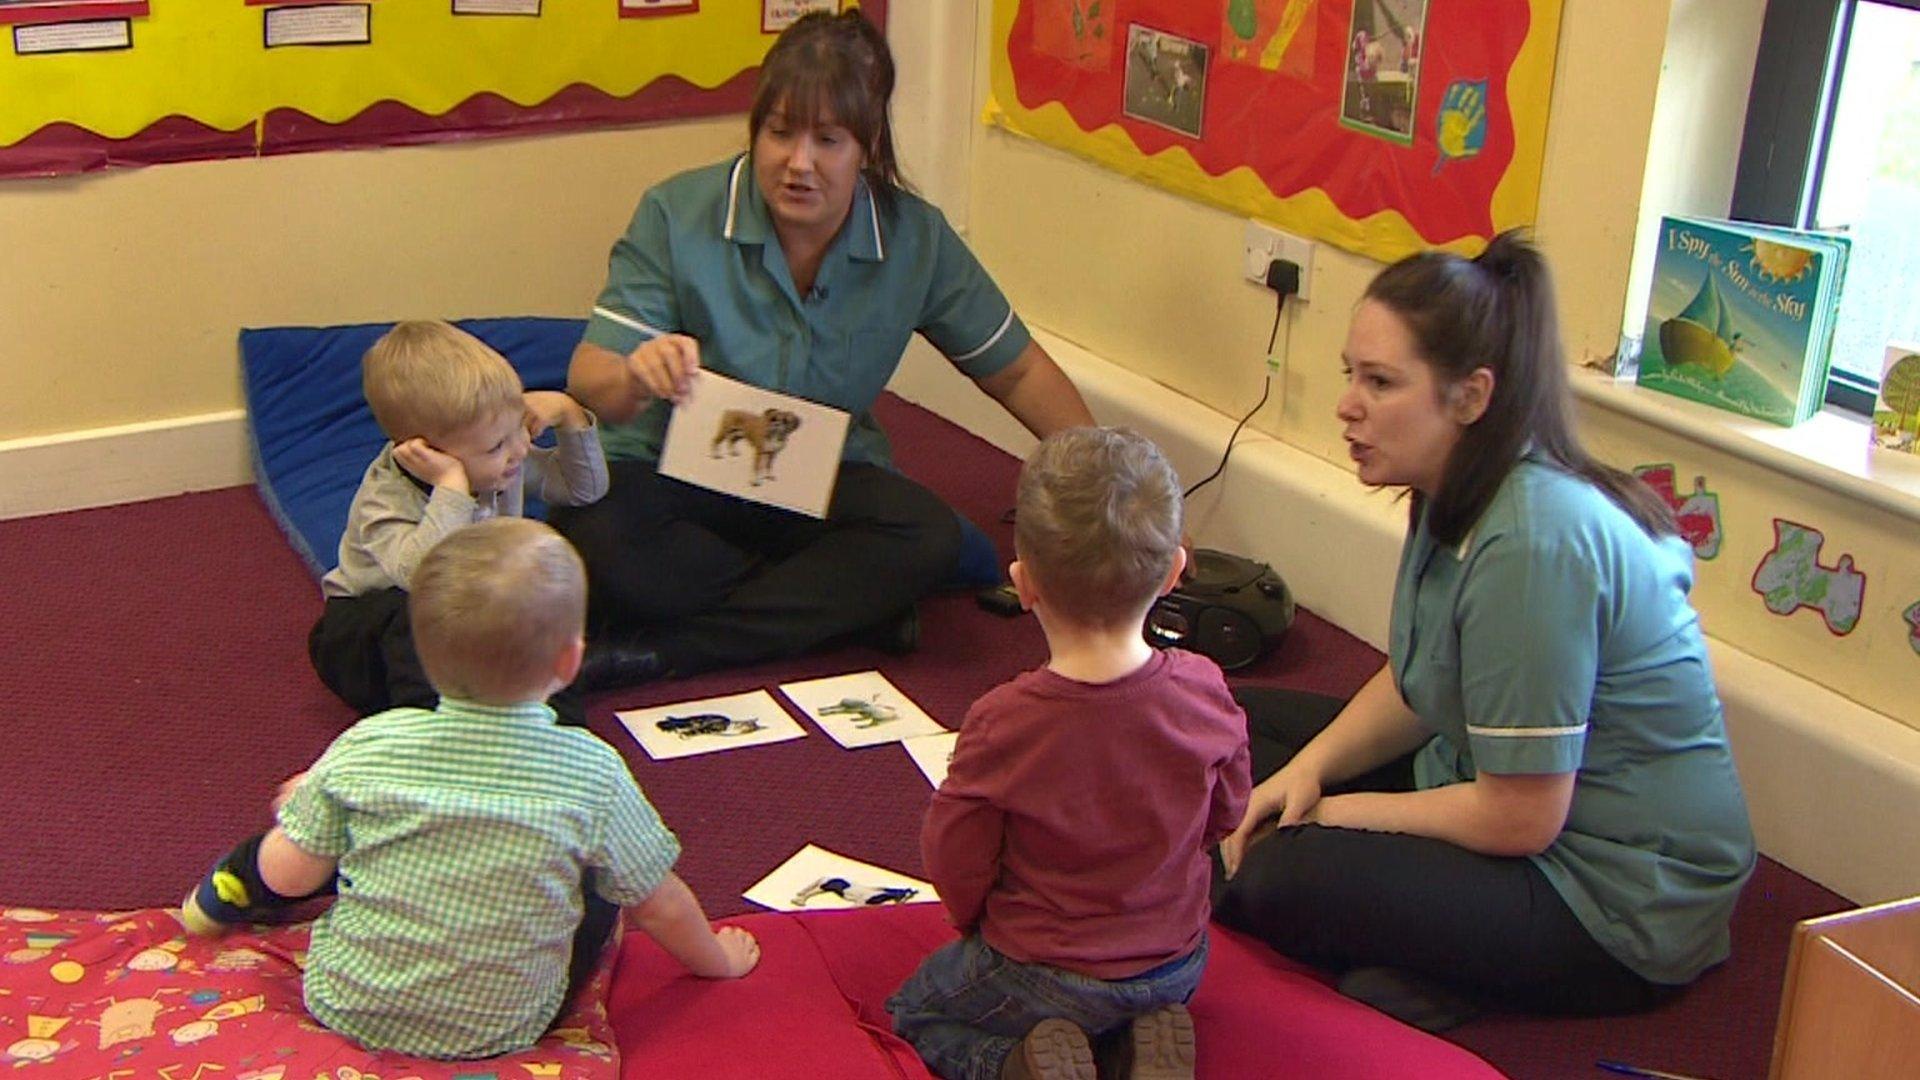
pixel 1789 119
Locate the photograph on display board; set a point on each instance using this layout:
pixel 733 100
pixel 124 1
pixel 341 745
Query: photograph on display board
pixel 1166 81
pixel 1383 66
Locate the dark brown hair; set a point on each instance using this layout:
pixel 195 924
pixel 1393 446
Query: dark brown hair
pixel 1497 311
pixel 837 66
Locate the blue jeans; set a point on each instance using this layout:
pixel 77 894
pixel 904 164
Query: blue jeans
pixel 968 1006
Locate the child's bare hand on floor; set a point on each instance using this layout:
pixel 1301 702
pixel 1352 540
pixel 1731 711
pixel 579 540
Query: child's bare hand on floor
pixel 741 949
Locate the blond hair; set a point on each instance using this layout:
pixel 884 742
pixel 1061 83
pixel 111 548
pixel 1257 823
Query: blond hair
pixel 492 606
pixel 1098 523
pixel 428 379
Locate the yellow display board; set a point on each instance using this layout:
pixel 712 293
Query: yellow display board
pixel 206 66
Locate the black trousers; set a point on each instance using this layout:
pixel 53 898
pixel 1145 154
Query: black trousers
pixel 1344 898
pixel 362 648
pixel 711 581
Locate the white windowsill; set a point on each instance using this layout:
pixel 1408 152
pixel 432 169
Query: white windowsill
pixel 1832 450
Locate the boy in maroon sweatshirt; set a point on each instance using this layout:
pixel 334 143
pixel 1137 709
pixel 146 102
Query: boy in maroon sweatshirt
pixel 1070 839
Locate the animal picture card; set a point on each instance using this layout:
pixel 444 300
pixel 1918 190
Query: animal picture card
pixel 861 709
pixel 756 444
pixel 710 725
pixel 931 753
pixel 816 878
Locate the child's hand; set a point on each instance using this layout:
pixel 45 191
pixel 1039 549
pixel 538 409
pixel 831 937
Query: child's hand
pixel 436 468
pixel 551 408
pixel 741 950
pixel 286 790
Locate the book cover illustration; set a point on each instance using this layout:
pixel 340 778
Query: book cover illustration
pixel 1738 319
pixel 1896 414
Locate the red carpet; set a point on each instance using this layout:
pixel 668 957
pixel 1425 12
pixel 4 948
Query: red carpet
pixel 157 687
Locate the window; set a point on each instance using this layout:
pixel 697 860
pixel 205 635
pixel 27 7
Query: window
pixel 1832 141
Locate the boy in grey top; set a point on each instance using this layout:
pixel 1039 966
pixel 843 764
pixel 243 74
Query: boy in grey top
pixel 460 430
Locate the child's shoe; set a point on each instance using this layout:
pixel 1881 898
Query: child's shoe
pixel 218 902
pixel 1054 1050
pixel 1161 1045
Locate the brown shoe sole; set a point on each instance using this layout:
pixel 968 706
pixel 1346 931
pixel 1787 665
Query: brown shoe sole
pixel 1053 1050
pixel 1163 1046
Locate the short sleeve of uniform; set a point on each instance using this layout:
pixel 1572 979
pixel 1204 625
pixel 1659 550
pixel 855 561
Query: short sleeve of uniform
pixel 1529 618
pixel 636 850
pixel 637 303
pixel 314 817
pixel 967 318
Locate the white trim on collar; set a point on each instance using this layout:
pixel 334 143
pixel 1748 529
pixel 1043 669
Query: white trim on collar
pixel 873 215
pixel 733 195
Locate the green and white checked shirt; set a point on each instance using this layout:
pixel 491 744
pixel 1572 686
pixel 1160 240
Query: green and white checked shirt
pixel 462 836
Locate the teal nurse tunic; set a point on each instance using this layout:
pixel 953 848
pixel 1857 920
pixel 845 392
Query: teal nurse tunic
pixel 701 258
pixel 1557 637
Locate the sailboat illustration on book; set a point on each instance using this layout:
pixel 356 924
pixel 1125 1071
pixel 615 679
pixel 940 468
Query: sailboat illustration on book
pixel 1701 335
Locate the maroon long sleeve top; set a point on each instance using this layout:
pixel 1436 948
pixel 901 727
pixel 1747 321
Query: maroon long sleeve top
pixel 1074 825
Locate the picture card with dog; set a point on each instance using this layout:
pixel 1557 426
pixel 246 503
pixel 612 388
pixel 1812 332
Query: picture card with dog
pixel 931 754
pixel 756 444
pixel 861 709
pixel 815 878
pixel 710 725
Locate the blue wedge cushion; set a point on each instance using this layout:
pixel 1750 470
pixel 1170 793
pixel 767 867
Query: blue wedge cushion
pixel 313 433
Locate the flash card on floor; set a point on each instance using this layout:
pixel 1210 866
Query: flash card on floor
pixel 861 709
pixel 817 878
pixel 931 753
pixel 710 725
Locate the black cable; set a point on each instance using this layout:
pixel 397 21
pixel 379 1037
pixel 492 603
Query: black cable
pixel 1265 389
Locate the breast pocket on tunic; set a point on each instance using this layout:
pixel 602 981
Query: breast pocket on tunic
pixel 851 373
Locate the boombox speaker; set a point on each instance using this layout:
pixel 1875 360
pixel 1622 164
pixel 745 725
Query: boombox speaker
pixel 1229 608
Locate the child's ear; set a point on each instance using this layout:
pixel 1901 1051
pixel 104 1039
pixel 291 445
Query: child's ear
pixel 1022 584
pixel 566 666
pixel 1178 568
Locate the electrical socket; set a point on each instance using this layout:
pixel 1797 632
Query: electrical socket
pixel 1264 243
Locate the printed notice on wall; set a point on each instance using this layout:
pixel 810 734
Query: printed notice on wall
pixel 496 7
pixel 324 24
pixel 777 15
pixel 635 8
pixel 73 37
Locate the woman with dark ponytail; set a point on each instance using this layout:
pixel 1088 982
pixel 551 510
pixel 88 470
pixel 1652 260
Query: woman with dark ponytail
pixel 1532 805
pixel 804 265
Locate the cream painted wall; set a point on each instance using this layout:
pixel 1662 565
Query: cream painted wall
pixel 1151 282
pixel 1699 116
pixel 123 291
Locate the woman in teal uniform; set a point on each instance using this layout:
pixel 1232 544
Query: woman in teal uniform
pixel 805 266
pixel 1533 803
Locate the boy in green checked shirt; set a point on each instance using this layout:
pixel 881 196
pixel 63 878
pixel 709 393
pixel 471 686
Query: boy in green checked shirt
pixel 464 841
